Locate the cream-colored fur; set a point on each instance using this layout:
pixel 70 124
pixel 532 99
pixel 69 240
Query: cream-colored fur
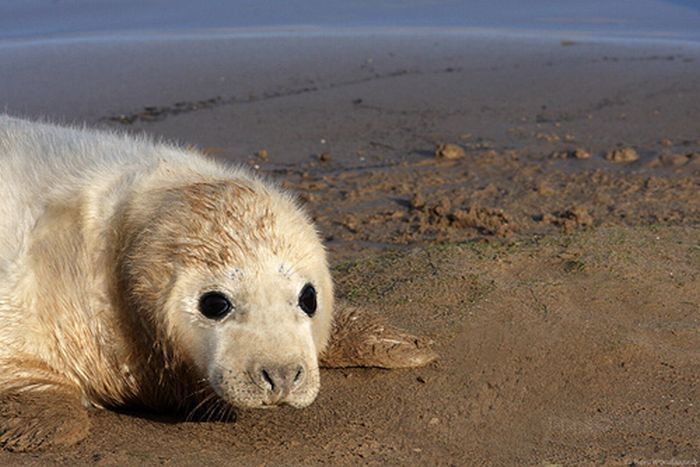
pixel 107 243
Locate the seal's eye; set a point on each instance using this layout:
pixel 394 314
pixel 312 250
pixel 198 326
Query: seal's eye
pixel 214 305
pixel 307 299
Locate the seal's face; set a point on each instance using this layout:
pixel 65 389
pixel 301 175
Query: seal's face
pixel 250 330
pixel 242 288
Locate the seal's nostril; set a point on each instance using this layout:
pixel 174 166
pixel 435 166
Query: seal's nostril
pixel 276 381
pixel 299 376
pixel 268 379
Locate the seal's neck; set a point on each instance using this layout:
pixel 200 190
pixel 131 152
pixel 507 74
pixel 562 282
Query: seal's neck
pixel 144 273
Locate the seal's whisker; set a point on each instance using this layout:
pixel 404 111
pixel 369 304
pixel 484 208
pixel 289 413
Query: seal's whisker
pixel 210 411
pixel 201 404
pixel 198 392
pixel 223 408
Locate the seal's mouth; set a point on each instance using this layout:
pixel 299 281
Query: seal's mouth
pixel 266 405
pixel 270 406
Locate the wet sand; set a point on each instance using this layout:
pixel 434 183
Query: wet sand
pixel 558 278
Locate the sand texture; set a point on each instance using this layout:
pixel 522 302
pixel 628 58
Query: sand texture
pixel 531 207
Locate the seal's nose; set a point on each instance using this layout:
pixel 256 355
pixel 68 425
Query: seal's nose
pixel 278 380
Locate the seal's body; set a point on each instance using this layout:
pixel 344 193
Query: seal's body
pixel 145 275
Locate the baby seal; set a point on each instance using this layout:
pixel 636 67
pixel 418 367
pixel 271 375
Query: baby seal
pixel 142 275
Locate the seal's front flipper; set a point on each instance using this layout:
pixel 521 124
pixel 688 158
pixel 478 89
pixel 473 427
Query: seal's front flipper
pixel 362 339
pixel 38 413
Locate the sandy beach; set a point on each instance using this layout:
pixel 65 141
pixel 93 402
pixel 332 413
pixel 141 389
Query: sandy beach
pixel 552 252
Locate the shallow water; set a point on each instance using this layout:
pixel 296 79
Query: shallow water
pixel 57 19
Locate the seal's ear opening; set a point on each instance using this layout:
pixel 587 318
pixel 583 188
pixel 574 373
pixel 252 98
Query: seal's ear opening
pixel 364 339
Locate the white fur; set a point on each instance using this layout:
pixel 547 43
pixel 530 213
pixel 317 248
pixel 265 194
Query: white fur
pixel 66 196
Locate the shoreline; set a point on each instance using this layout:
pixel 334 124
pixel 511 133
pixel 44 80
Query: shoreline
pixel 646 17
pixel 543 35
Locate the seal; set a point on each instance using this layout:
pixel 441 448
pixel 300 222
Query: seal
pixel 137 274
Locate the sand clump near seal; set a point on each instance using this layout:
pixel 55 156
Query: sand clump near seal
pixel 576 153
pixel 143 275
pixel 440 212
pixel 622 155
pixel 569 219
pixel 448 151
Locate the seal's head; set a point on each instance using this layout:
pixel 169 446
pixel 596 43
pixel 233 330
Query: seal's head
pixel 236 283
